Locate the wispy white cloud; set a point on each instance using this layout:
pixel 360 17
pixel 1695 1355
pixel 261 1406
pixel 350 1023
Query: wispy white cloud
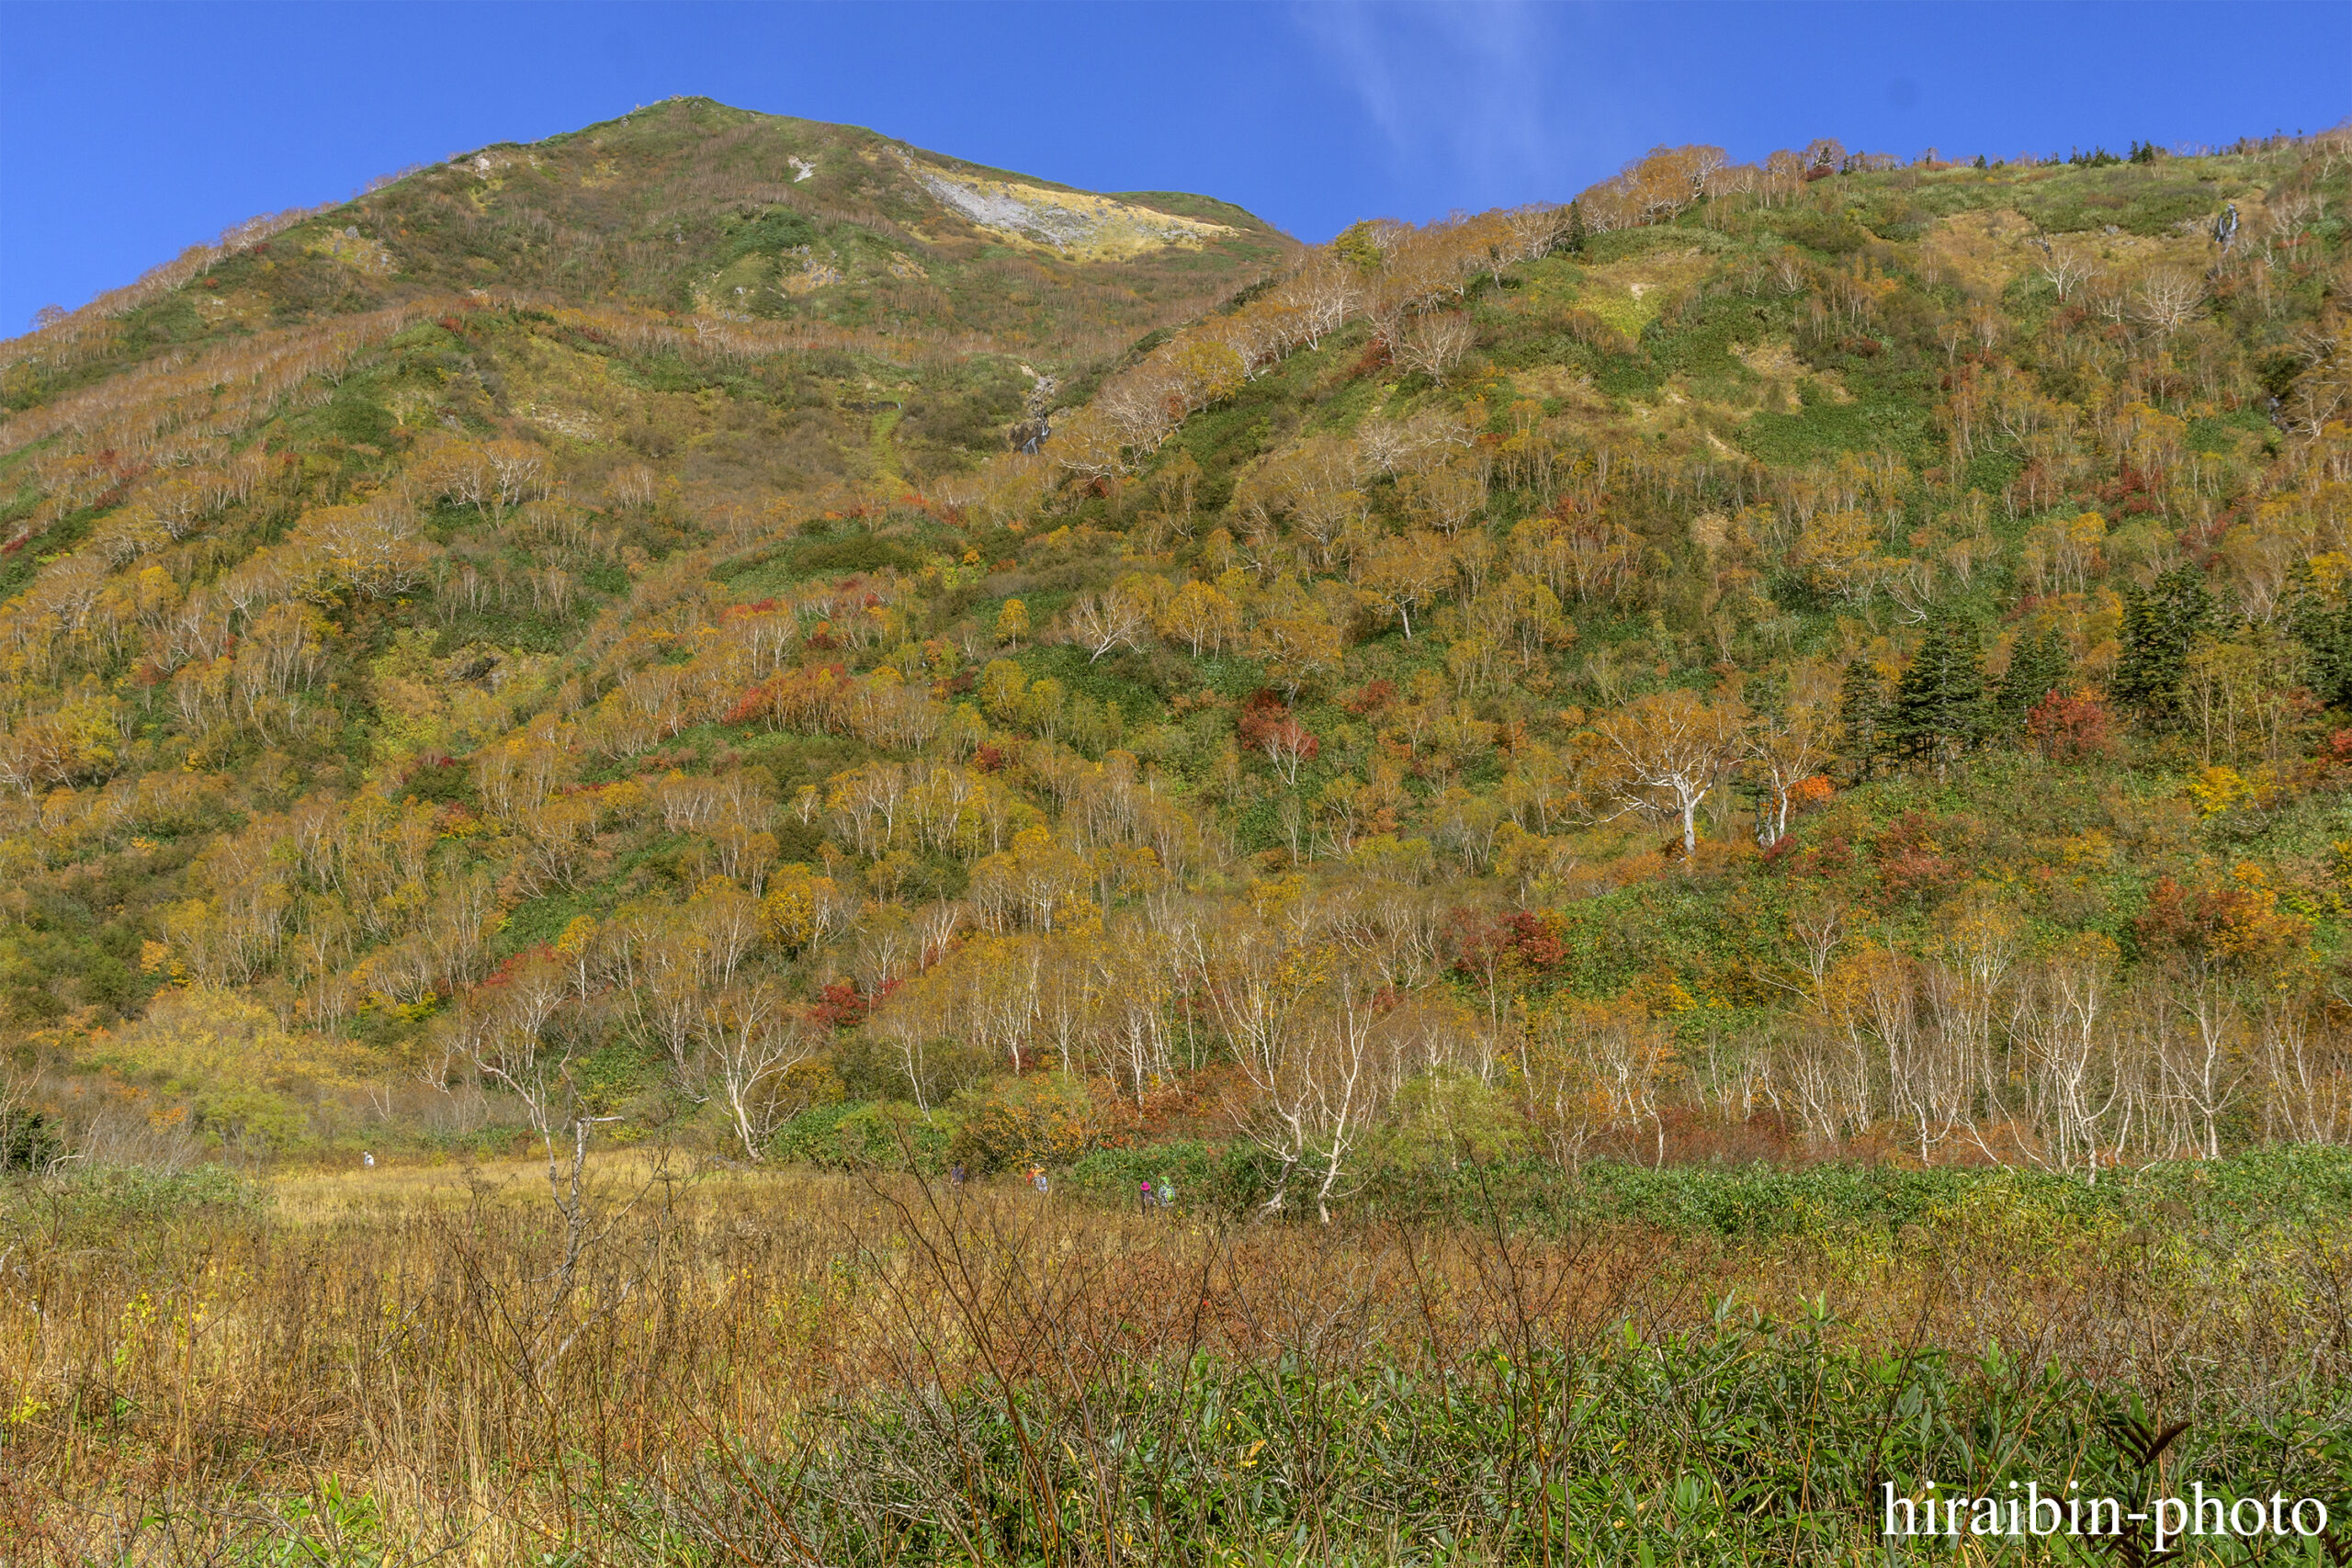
pixel 1460 90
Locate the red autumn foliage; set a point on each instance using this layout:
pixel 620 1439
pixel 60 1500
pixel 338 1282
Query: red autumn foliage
pixel 795 696
pixel 1286 737
pixel 2071 728
pixel 1258 716
pixel 838 1006
pixel 1373 699
pixel 2334 757
pixel 1523 938
pixel 1911 859
pixel 2238 923
pixel 504 972
pixel 1266 725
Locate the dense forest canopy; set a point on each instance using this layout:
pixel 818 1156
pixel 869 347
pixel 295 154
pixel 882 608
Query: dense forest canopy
pixel 725 626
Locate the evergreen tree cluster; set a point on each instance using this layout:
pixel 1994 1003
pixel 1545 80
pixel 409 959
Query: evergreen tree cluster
pixel 2161 624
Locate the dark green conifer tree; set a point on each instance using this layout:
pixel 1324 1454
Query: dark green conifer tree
pixel 1862 717
pixel 2038 666
pixel 2326 632
pixel 2160 625
pixel 1573 244
pixel 1939 708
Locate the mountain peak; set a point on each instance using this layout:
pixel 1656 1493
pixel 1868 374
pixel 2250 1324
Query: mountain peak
pixel 695 207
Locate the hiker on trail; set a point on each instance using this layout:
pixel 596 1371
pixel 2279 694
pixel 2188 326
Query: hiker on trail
pixel 1037 1176
pixel 367 1159
pixel 1146 1198
pixel 1167 1193
pixel 956 1174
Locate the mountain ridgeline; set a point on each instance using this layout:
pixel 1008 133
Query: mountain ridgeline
pixel 780 640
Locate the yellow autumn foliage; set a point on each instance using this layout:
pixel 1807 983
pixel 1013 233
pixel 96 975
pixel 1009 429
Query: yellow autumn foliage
pixel 245 1078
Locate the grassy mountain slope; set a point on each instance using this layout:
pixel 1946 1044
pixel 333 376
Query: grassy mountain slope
pixel 816 252
pixel 484 670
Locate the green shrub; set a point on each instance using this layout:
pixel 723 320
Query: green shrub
pixel 28 1142
pixel 1228 1180
pixel 779 229
pixel 863 1134
pixel 106 1199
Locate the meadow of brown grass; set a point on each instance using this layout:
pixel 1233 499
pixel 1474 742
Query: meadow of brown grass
pixel 416 1364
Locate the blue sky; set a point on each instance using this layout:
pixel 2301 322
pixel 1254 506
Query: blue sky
pixel 128 131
